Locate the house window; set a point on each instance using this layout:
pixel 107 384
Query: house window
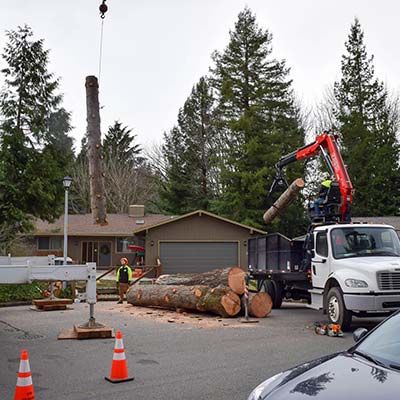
pixel 50 243
pixel 124 242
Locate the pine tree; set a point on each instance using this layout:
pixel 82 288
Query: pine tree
pixel 31 167
pixel 258 123
pixel 365 120
pixel 190 154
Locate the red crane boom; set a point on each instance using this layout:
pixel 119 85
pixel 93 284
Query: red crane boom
pixel 326 144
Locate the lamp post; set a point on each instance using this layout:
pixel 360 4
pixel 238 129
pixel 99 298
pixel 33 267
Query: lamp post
pixel 66 183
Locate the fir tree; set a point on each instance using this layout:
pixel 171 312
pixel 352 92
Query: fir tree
pixel 31 153
pixel 190 154
pixel 257 120
pixel 28 97
pixel 368 131
pixel 118 144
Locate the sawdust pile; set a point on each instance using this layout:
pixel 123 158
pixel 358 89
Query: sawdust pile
pixel 186 319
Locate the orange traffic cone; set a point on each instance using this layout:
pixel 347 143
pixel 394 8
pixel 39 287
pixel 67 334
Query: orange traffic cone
pixel 24 389
pixel 119 369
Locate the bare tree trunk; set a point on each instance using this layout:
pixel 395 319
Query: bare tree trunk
pixel 287 197
pixel 221 301
pixel 98 199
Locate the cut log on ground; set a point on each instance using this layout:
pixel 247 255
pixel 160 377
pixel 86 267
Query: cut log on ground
pixel 220 301
pixel 260 304
pixel 286 198
pixel 232 277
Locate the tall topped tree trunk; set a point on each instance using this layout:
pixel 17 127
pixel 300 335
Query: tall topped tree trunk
pixel 97 194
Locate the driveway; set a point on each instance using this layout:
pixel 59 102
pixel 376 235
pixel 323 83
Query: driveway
pixel 202 358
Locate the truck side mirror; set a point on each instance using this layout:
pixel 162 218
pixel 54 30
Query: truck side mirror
pixel 310 241
pixel 359 333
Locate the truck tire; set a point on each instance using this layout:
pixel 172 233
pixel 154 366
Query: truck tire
pixel 275 290
pixel 336 309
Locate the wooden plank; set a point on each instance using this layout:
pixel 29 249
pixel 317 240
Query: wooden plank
pixel 92 333
pixel 51 304
pixel 54 307
pixel 48 302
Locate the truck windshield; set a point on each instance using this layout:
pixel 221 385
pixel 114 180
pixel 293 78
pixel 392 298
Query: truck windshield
pixel 364 241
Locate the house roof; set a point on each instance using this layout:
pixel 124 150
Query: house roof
pixel 394 221
pixel 82 225
pixel 199 212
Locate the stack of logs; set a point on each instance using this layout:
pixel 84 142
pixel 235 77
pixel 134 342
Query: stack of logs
pixel 219 291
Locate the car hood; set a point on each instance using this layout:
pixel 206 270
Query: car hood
pixel 335 377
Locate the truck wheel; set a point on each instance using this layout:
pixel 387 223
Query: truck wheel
pixel 336 310
pixel 275 290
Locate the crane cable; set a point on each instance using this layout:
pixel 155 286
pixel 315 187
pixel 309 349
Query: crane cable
pixel 103 9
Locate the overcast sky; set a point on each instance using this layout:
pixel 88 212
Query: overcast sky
pixel 154 51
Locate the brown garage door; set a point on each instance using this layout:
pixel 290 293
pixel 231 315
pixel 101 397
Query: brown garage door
pixel 185 257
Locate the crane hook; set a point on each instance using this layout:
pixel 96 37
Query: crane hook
pixel 103 9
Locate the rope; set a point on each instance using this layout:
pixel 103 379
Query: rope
pixel 101 47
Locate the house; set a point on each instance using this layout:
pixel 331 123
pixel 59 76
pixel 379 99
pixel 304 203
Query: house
pixel 197 241
pixel 393 221
pixel 88 242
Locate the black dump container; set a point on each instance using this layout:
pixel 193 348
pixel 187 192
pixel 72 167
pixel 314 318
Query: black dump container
pixel 275 252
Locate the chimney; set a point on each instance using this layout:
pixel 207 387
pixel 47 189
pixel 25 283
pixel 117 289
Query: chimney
pixel 136 211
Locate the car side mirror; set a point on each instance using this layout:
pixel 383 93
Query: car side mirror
pixel 359 333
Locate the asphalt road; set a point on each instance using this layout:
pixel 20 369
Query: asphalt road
pixel 169 361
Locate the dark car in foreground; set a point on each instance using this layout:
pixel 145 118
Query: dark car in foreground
pixel 368 370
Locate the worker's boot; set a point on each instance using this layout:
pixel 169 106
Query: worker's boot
pixel 120 302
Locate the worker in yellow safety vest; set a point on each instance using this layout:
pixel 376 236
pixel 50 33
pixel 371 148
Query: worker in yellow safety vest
pixel 323 191
pixel 123 278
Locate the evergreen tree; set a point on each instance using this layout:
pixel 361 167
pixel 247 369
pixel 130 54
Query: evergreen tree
pixel 29 95
pixel 190 155
pixel 365 120
pixel 31 167
pixel 258 123
pixel 118 144
pixel 79 199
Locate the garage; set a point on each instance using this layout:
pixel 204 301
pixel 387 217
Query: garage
pixel 186 257
pixel 196 242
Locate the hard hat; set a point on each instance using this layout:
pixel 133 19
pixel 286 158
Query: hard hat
pixel 123 260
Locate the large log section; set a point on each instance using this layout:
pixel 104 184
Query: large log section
pixel 221 301
pixel 287 197
pixel 232 277
pixel 260 304
pixel 95 157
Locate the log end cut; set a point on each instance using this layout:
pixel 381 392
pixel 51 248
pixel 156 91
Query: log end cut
pixel 231 303
pixel 236 280
pixel 260 305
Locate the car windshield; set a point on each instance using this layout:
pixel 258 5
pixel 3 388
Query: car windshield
pixel 364 241
pixel 383 345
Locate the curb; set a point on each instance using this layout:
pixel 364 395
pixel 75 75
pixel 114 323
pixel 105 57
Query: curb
pixel 16 303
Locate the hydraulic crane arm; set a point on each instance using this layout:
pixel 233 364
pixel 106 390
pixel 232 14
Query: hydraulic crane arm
pixel 326 144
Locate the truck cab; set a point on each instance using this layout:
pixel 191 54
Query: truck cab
pixel 355 270
pixel 342 269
